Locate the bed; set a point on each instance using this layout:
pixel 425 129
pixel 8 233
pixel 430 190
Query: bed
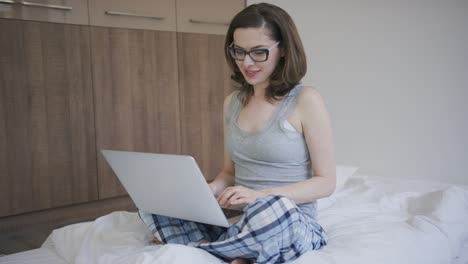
pixel 369 219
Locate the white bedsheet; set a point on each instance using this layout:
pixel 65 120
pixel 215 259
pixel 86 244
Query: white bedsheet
pixel 371 220
pixel 43 255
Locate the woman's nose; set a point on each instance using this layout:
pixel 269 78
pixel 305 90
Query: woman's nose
pixel 248 61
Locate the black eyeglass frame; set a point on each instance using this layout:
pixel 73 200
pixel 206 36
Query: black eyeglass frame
pixel 233 49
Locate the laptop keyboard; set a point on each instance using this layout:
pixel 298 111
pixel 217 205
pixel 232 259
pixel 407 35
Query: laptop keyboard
pixel 229 213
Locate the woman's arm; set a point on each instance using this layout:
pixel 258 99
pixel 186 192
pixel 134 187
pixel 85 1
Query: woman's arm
pixel 226 177
pixel 318 134
pixel 317 130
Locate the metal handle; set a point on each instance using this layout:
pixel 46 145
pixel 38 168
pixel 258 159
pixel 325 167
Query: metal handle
pixel 10 2
pixel 116 13
pixel 25 3
pixel 59 7
pixel 208 22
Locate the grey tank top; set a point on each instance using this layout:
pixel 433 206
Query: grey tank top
pixel 274 156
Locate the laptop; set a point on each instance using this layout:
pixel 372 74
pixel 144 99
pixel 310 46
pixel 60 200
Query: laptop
pixel 168 185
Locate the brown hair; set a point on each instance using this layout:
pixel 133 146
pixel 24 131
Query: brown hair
pixel 291 67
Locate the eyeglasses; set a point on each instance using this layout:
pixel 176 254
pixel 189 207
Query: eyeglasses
pixel 257 55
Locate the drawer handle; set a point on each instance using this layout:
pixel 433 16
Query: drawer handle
pixel 116 13
pixel 24 3
pixel 208 22
pixel 10 2
pixel 59 7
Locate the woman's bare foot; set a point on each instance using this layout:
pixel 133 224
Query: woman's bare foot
pixel 156 241
pixel 240 261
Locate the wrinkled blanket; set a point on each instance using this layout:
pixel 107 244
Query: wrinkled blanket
pixel 370 220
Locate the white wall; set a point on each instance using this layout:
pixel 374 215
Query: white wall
pixel 394 75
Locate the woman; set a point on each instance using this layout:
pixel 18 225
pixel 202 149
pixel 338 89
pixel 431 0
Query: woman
pixel 279 152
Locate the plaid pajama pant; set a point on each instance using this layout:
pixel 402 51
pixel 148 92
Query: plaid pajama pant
pixel 272 230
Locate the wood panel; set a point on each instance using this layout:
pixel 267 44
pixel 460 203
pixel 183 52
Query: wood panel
pixel 140 14
pixel 15 167
pixel 57 11
pixel 204 82
pixel 206 16
pixel 137 97
pixel 47 150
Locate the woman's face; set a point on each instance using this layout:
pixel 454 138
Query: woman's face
pixel 256 73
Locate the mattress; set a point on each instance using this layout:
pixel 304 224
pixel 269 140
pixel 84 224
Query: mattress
pixel 369 220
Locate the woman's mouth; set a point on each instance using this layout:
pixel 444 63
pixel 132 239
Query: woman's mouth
pixel 250 74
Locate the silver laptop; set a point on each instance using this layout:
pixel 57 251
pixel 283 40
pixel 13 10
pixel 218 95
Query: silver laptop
pixel 168 185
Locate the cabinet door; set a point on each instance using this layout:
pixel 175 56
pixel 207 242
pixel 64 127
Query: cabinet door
pixel 140 14
pixel 47 143
pixel 137 97
pixel 203 83
pixel 58 11
pixel 206 16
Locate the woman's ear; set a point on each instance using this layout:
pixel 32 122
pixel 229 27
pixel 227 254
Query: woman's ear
pixel 281 51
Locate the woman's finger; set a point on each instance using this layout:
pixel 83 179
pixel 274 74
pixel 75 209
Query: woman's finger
pixel 234 197
pixel 225 195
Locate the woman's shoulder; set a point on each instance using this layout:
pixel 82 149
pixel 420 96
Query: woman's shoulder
pixel 227 99
pixel 310 102
pixel 309 95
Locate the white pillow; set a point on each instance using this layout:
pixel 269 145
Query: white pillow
pixel 343 173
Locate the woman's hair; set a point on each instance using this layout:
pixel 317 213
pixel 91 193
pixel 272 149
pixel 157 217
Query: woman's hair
pixel 280 27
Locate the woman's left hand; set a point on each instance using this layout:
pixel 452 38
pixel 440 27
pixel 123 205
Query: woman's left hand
pixel 238 195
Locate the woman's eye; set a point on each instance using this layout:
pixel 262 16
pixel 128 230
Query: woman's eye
pixel 239 52
pixel 258 52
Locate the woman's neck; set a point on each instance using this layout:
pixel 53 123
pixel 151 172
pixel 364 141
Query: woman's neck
pixel 259 90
